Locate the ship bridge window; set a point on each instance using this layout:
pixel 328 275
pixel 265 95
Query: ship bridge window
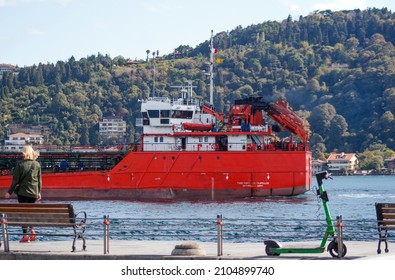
pixel 153 113
pixel 145 118
pixel 182 114
pixel 164 113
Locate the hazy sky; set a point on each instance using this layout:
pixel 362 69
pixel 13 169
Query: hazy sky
pixel 34 31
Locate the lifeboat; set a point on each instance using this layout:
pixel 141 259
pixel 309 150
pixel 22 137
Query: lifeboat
pixel 197 126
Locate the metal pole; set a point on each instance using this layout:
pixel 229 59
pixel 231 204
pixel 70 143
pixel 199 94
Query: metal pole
pixel 106 224
pixel 211 69
pixel 4 228
pixel 219 237
pixel 153 86
pixel 340 236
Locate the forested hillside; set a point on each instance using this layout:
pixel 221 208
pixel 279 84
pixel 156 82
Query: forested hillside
pixel 337 69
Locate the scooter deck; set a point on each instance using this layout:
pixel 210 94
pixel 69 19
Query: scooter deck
pixel 291 250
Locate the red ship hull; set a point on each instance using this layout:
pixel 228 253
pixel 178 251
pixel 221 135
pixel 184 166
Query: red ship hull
pixel 189 151
pixel 185 175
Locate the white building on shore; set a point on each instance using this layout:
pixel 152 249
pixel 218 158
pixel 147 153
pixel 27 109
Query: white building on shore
pixel 342 163
pixel 15 142
pixel 112 128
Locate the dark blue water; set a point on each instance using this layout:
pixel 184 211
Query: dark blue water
pixel 353 197
pixel 248 220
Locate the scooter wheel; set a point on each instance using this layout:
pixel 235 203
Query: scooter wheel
pixel 269 248
pixel 334 250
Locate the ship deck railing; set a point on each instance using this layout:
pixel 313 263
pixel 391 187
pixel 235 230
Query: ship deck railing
pixel 221 230
pixel 207 147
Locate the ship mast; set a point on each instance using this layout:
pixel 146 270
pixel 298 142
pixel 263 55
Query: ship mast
pixel 154 74
pixel 211 73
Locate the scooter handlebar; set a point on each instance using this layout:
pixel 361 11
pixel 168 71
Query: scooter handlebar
pixel 323 175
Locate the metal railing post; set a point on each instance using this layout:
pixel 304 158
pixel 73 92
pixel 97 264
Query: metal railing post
pixel 219 235
pixel 106 224
pixel 4 228
pixel 339 225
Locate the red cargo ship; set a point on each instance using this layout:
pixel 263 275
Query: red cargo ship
pixel 190 152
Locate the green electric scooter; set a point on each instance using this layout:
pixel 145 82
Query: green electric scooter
pixel 273 248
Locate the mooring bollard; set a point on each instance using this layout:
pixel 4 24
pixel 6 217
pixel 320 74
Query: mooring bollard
pixel 339 226
pixel 106 224
pixel 219 235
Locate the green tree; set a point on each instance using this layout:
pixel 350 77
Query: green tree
pixel 84 139
pixel 321 117
pixel 337 132
pixel 318 151
pixel 389 99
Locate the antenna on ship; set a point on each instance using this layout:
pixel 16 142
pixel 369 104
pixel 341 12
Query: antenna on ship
pixel 211 73
pixel 186 90
pixel 154 55
pixel 153 58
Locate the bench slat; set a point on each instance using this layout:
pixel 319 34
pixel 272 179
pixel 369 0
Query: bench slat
pixel 382 208
pixel 38 215
pixel 34 210
pixel 34 218
pixel 43 224
pixel 34 205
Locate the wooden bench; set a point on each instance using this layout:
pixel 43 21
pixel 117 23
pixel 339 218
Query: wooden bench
pixel 385 221
pixel 42 215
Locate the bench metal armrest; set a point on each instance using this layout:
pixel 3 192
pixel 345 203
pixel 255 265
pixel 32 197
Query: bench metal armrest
pixel 80 219
pixel 79 228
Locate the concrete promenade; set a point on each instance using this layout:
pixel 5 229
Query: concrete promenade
pixel 160 250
